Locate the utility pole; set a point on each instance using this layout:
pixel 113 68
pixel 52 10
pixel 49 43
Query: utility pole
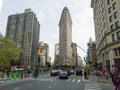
pixel 81 49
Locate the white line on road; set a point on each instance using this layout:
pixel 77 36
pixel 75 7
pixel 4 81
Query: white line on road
pixel 52 79
pixel 91 89
pixel 68 80
pixel 50 87
pixel 16 88
pixel 78 80
pixel 29 84
pixel 73 80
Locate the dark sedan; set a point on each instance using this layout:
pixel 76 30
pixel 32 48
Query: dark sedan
pixel 79 72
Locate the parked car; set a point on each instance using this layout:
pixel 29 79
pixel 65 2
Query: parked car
pixel 63 75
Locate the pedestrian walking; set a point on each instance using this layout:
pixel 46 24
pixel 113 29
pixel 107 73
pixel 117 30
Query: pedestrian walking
pixel 112 75
pixel 8 74
pixel 116 79
pixel 85 75
pixel 21 74
pixel 103 73
pixel 106 75
pixel 36 73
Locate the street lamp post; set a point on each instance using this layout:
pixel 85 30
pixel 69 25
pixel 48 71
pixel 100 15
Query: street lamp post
pixel 81 48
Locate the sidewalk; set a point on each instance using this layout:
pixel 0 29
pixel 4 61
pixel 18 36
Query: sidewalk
pixel 2 80
pixel 101 79
pixel 105 84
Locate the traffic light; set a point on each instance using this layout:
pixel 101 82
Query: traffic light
pixel 40 50
pixel 87 65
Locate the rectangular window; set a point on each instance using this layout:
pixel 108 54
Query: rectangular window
pixel 115 15
pixel 114 6
pixel 118 35
pixel 113 37
pixel 109 9
pixel 115 50
pixel 119 50
pixel 113 27
pixel 117 24
pixel 108 1
pixel 111 18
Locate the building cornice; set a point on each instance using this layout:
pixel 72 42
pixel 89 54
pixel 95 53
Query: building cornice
pixel 65 9
pixel 107 45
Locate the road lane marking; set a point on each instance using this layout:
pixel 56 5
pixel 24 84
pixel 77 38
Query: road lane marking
pixel 91 89
pixel 52 79
pixel 68 80
pixel 73 80
pixel 29 84
pixel 50 87
pixel 46 79
pixel 16 88
pixel 78 80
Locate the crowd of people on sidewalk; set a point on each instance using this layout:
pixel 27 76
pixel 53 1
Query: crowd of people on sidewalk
pixel 107 76
pixel 116 78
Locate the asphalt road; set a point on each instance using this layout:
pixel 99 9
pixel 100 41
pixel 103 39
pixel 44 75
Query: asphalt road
pixel 46 83
pixel 54 83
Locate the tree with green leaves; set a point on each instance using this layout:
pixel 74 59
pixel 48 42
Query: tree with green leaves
pixel 8 51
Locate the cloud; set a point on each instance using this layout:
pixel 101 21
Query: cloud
pixel 1 4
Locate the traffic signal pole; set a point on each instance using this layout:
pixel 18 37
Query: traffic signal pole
pixel 81 49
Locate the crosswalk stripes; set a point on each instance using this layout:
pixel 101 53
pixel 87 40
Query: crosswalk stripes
pixel 53 79
pixel 45 80
pixel 68 80
pixel 89 86
pixel 73 80
pixel 78 81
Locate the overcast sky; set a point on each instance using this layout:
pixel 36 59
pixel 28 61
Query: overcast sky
pixel 48 13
